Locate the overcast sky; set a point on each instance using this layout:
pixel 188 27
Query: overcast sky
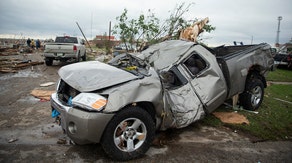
pixel 247 21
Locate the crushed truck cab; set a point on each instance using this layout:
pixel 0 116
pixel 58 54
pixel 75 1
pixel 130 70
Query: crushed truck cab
pixel 169 85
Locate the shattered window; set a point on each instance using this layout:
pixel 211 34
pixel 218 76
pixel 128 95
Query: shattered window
pixel 173 78
pixel 195 64
pixel 130 64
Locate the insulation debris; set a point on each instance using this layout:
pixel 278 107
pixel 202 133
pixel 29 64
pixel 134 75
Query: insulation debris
pixel 42 94
pixel 231 117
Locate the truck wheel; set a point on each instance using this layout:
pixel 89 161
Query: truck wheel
pixel 253 96
pixel 78 57
pixel 49 62
pixel 84 57
pixel 129 134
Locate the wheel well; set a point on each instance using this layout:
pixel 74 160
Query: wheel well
pixel 148 106
pixel 255 72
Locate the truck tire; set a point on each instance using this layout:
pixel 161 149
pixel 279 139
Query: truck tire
pixel 129 134
pixel 253 96
pixel 78 57
pixel 84 57
pixel 49 61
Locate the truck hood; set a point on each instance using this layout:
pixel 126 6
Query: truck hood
pixel 93 75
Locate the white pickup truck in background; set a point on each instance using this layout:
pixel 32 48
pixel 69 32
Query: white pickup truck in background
pixel 65 48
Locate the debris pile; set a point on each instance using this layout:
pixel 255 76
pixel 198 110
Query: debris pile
pixel 8 65
pixel 8 51
pixel 15 50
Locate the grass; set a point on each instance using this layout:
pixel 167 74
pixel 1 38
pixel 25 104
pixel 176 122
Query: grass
pixel 274 120
pixel 282 75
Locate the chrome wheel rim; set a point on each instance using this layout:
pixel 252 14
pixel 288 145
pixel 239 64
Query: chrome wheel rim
pixel 130 134
pixel 256 96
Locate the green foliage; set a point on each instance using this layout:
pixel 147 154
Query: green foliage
pixel 147 28
pixel 131 31
pixel 176 22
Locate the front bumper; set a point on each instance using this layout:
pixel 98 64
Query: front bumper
pixel 81 126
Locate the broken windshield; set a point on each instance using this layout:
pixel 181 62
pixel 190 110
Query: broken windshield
pixel 130 64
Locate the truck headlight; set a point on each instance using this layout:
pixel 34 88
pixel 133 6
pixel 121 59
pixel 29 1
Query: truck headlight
pixel 89 101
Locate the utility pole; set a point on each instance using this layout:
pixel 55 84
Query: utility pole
pixel 109 30
pixel 278 31
pixel 84 36
pixel 109 37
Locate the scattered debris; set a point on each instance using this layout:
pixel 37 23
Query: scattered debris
pixel 3 122
pixel 62 141
pixel 7 70
pixel 240 108
pixel 269 83
pixel 283 100
pixel 26 50
pixel 71 142
pixel 42 94
pixel 14 64
pixel 103 57
pixel 12 140
pixel 231 117
pixel 159 141
pixel 47 84
pixel 8 51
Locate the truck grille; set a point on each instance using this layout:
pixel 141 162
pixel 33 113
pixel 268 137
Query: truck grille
pixel 65 92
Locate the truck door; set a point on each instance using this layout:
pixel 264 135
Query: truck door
pixel 180 100
pixel 206 78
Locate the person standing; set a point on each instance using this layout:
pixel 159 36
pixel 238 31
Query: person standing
pixel 28 42
pixel 32 43
pixel 38 44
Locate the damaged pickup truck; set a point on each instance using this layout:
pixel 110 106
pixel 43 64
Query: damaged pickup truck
pixel 169 85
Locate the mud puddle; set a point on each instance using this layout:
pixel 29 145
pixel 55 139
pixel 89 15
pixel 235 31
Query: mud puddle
pixel 43 134
pixel 21 74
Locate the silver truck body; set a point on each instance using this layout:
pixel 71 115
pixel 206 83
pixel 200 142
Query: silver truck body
pixel 157 80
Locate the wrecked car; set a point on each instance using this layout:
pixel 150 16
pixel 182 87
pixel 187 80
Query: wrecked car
pixel 169 85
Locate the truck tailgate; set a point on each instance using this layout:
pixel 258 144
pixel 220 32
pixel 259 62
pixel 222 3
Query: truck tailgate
pixel 59 48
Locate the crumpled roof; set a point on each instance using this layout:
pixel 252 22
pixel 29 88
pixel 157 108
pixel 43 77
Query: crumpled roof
pixel 166 53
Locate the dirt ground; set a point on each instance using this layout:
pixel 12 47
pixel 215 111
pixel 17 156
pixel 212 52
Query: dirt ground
pixel 29 134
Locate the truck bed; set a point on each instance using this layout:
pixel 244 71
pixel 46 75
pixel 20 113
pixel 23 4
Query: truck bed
pixel 229 51
pixel 237 61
